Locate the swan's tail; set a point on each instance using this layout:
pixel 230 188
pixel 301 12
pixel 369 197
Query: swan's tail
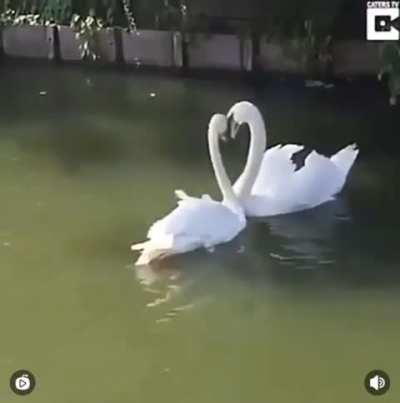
pixel 344 159
pixel 181 195
pixel 139 246
pixel 149 253
pixel 147 256
pixel 156 248
pixel 322 178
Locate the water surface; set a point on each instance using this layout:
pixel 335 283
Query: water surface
pixel 297 309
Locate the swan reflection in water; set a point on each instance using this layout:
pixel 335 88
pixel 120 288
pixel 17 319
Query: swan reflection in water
pixel 187 281
pixel 300 241
pixel 168 288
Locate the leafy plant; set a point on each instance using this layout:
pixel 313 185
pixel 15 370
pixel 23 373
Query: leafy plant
pixel 390 59
pixel 27 19
pixel 7 17
pixel 315 50
pixel 32 13
pixel 312 50
pixel 129 15
pixel 111 7
pixel 86 32
pixel 10 16
pixel 57 11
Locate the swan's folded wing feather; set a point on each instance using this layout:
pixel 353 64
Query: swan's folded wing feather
pixel 193 224
pixel 322 178
pixel 318 181
pixel 345 158
pixel 199 218
pixel 276 170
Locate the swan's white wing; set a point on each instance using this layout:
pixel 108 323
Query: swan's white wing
pixel 345 158
pixel 194 223
pixel 280 189
pixel 322 178
pixel 276 171
pixel 267 206
pixel 201 218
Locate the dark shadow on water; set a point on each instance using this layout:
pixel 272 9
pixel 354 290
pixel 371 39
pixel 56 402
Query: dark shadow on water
pixel 76 147
pixel 173 122
pixel 311 253
pixel 87 116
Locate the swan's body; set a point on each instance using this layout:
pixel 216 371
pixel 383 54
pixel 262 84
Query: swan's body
pixel 279 188
pixel 197 223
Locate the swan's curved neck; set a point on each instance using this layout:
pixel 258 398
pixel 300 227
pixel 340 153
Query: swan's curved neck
pixel 258 142
pixel 229 196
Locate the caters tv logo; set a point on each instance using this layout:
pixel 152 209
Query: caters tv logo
pixel 383 20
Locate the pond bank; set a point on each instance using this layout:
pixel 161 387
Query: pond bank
pixel 169 50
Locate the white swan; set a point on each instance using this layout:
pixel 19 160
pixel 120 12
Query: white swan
pixel 197 223
pixel 279 188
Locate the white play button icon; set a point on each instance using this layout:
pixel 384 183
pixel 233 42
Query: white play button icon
pixel 22 382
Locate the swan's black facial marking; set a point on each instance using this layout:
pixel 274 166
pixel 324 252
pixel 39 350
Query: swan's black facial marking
pixel 235 130
pixel 230 121
pixel 223 135
pixel 233 126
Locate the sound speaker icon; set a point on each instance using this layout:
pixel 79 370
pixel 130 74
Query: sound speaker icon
pixel 377 382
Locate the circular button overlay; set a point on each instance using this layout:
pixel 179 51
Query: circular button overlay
pixel 22 382
pixel 377 382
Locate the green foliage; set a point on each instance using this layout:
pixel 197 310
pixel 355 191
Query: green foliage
pixel 304 44
pixel 32 12
pixel 315 50
pixel 57 11
pixel 10 16
pixel 129 15
pixel 85 31
pixel 390 60
pixel 159 14
pixel 7 17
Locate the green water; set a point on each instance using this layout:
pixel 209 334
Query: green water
pixel 297 309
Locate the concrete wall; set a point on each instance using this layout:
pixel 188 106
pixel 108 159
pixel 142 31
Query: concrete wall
pixel 349 58
pixel 36 42
pixel 106 47
pixel 356 57
pixel 215 52
pixel 164 49
pixel 150 48
pixel 276 57
pixel 69 45
pixel 247 54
